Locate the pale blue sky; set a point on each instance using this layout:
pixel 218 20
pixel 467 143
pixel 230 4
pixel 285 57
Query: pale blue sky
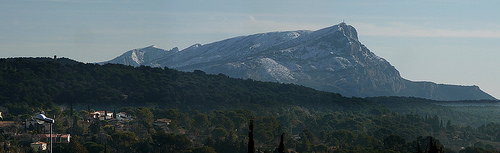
pixel 444 41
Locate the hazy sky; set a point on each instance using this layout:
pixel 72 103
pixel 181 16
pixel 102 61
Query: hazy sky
pixel 444 41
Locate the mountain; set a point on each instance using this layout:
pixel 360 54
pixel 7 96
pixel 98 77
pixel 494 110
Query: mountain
pixel 330 59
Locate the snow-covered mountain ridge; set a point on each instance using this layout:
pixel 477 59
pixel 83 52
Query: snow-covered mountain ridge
pixel 330 59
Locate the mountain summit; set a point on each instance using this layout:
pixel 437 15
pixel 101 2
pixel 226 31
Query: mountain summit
pixel 330 59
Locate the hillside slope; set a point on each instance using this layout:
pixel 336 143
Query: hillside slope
pixel 43 82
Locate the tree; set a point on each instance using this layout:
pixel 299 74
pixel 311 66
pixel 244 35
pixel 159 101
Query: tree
pixel 251 143
pixel 200 120
pixel 221 120
pixel 171 142
pixel 498 137
pixel 434 122
pixel 58 127
pixel 307 137
pixel 145 116
pixel 321 148
pixel 75 147
pixel 305 145
pixel 219 133
pixel 76 130
pixel 449 127
pixel 268 128
pixel 96 125
pixel 434 147
pixel 204 149
pixel 394 142
pixel 85 114
pixel 308 133
pixel 94 147
pixel 71 113
pixel 476 149
pixel 144 145
pixel 427 144
pixel 123 142
pixel 282 148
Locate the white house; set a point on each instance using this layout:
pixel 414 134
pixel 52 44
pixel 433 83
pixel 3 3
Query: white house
pixel 56 138
pixel 101 115
pixel 121 116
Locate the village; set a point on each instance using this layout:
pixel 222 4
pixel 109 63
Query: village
pixel 25 129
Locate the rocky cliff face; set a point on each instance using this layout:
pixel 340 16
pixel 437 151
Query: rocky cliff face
pixel 330 59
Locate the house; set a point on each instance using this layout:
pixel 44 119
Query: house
pixel 122 116
pixel 4 124
pixel 56 138
pixel 30 123
pixel 296 137
pixel 9 128
pixel 102 114
pixel 38 146
pixel 6 127
pixel 182 131
pixel 163 122
pixel 5 144
pixel 123 127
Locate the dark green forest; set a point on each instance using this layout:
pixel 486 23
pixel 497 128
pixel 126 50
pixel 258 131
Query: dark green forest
pixel 43 82
pixel 211 113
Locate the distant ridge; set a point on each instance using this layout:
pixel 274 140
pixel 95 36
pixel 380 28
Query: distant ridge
pixel 61 60
pixel 330 59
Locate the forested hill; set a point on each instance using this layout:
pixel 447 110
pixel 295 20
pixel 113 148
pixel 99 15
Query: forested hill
pixel 357 124
pixel 44 82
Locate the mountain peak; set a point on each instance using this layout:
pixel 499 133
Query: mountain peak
pixel 175 49
pixel 152 46
pixel 348 30
pixel 194 46
pixel 345 29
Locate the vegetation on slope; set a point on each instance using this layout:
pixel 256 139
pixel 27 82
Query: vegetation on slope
pixel 43 82
pixel 214 110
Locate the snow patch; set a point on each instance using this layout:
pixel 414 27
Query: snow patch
pixel 279 72
pixel 255 46
pixel 343 62
pixel 293 35
pixel 139 59
pixel 288 50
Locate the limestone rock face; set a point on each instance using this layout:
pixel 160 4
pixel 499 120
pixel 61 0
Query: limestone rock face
pixel 330 59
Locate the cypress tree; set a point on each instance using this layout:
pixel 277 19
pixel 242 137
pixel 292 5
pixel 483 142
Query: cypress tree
pixel 441 126
pixel 114 113
pixel 418 147
pixel 71 110
pixel 449 127
pixel 75 121
pixel 251 143
pixel 282 148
